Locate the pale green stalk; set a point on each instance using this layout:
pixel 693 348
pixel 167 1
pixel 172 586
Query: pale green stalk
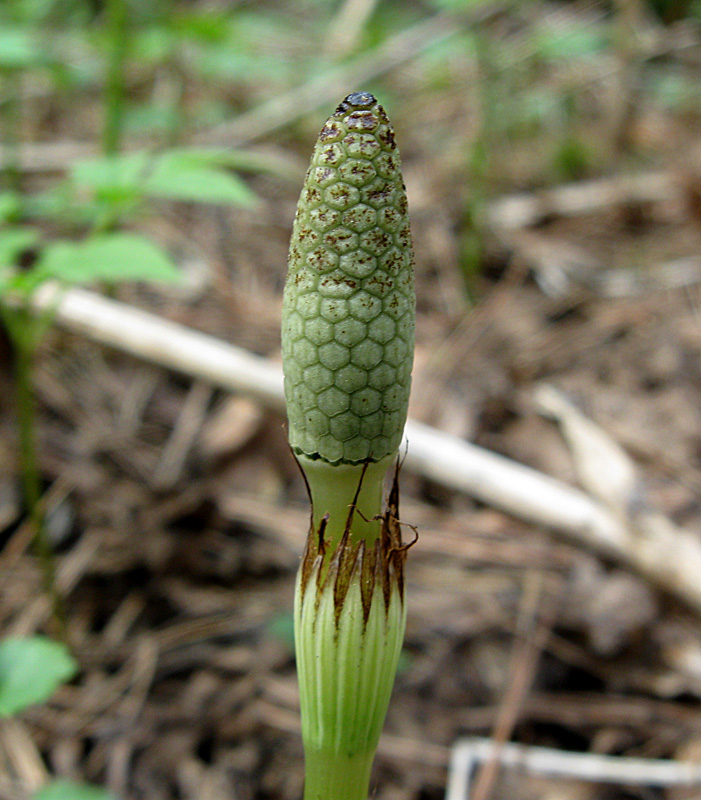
pixel 333 493
pixel 347 343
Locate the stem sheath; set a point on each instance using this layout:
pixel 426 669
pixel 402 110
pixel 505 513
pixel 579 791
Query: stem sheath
pixel 333 490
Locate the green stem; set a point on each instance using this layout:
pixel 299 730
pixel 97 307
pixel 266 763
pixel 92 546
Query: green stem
pixel 333 488
pixel 478 167
pixel 21 333
pixel 333 776
pixel 116 17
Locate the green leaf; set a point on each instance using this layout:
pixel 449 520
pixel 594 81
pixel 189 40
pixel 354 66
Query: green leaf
pixel 68 790
pixel 154 45
pixel 112 257
pixel 570 43
pixel 55 203
pixel 460 5
pixel 176 175
pixel 179 175
pixel 115 177
pixel 10 206
pixel 19 49
pixel 30 671
pixel 13 241
pixel 210 26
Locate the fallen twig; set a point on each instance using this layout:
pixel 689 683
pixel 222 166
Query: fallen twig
pixel 50 156
pixel 517 211
pixel 558 763
pixel 668 556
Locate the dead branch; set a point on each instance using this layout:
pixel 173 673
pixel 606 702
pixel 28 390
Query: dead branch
pixel 559 763
pixel 666 555
pixel 517 211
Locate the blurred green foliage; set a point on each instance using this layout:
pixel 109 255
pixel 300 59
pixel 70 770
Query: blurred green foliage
pixel 69 790
pixel 31 669
pixel 74 228
pixel 143 76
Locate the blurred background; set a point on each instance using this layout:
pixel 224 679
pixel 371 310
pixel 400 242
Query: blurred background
pixel 154 152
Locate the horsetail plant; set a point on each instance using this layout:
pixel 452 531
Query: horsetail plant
pixel 347 348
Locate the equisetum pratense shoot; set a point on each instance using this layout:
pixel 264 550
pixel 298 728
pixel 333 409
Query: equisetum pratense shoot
pixel 347 346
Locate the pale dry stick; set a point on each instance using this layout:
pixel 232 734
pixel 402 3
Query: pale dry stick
pixel 50 156
pixel 285 108
pixel 347 26
pixel 560 267
pixel 602 466
pixel 58 157
pixel 467 753
pixel 680 273
pixel 518 211
pixel 166 343
pixel 666 555
pixel 21 760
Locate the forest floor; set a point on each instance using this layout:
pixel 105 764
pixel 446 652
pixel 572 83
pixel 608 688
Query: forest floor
pixel 179 516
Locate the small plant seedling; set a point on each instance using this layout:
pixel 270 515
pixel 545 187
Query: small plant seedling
pixel 108 257
pixel 101 194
